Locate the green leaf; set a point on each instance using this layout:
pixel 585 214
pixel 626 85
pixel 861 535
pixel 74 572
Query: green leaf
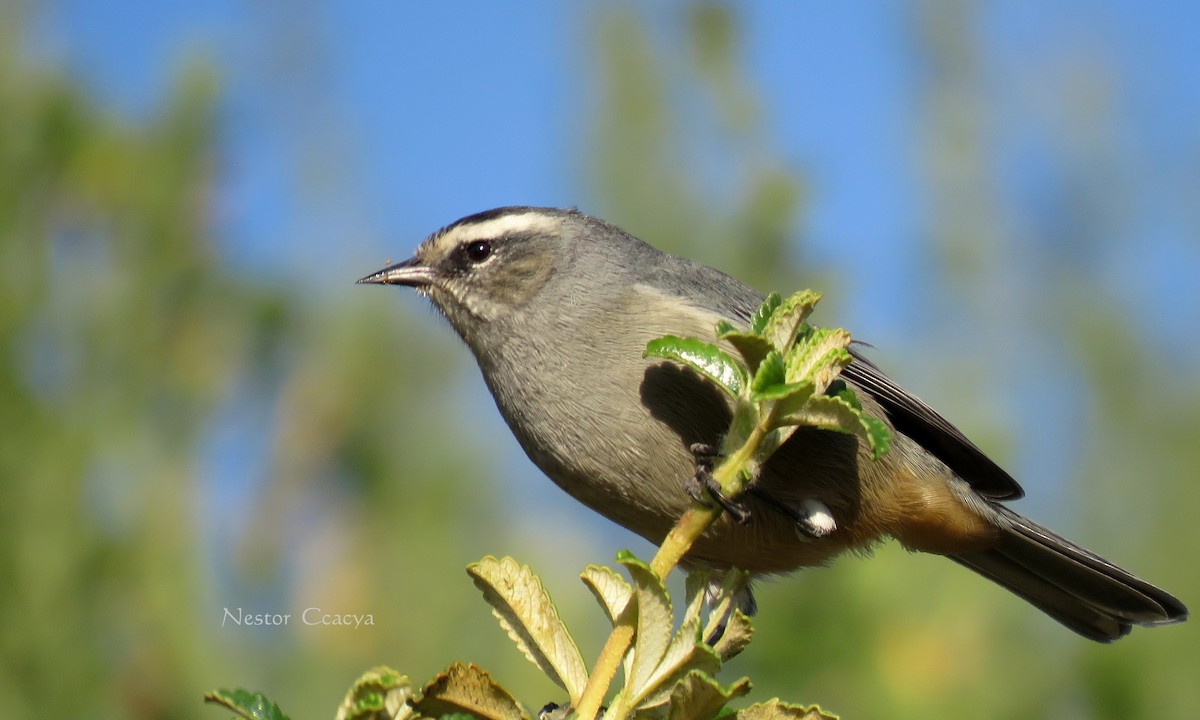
pixel 735 637
pixel 705 358
pixel 248 705
pixel 845 393
pixel 758 322
pixel 776 710
pixel 686 653
pixel 695 587
pixel 527 614
pixel 609 588
pixel 838 414
pixel 468 689
pixel 787 322
pixel 378 694
pixel 770 372
pixel 699 697
pixel 768 383
pixel 737 631
pixel 783 392
pixel 752 348
pixel 825 412
pixel 820 358
pixel 655 619
pixel 614 595
pixel 877 435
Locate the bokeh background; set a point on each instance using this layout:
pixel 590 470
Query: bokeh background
pixel 200 411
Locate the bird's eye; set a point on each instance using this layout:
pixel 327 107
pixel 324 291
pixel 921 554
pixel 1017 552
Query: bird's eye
pixel 479 251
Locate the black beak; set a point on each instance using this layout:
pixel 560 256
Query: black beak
pixel 410 272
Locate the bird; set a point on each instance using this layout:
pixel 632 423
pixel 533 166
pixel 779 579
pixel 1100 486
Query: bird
pixel 557 308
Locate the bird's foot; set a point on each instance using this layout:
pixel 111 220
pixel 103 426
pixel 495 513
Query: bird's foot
pixel 703 486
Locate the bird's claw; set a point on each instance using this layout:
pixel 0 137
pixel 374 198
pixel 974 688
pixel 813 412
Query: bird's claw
pixel 703 486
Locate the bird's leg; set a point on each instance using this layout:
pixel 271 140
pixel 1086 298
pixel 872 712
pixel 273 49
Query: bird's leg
pixel 813 519
pixel 703 479
pixel 703 483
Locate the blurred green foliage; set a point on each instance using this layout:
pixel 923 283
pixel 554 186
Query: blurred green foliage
pixel 125 340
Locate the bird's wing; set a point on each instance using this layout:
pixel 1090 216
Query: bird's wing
pixel 933 432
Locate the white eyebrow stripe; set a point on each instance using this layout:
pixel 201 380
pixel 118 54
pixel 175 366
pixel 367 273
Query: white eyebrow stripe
pixel 498 227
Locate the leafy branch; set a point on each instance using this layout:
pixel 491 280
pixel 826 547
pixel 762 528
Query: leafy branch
pixel 778 382
pixel 780 373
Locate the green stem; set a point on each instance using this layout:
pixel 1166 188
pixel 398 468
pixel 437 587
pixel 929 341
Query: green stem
pixel 679 540
pixel 606 665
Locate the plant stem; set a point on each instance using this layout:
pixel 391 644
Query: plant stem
pixel 606 665
pixel 675 545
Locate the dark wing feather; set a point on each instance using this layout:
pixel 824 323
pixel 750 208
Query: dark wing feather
pixel 908 414
pixel 933 432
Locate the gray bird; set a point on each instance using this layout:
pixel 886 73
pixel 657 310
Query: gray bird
pixel 557 308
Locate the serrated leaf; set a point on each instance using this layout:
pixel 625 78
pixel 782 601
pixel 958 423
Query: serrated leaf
pixel 379 694
pixel 655 619
pixel 726 589
pixel 705 358
pixel 527 614
pixel 695 586
pixel 758 322
pixel 845 393
pixel 700 697
pixel 468 689
pixel 609 589
pixel 783 391
pixel 735 637
pixel 787 321
pixel 614 595
pixel 769 381
pixel 877 435
pixel 825 412
pixel 776 710
pixel 770 372
pixel 836 413
pixel 820 358
pixel 248 705
pixel 726 598
pixel 686 653
pixel 753 348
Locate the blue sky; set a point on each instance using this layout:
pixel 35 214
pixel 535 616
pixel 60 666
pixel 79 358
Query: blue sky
pixel 422 112
pixel 349 130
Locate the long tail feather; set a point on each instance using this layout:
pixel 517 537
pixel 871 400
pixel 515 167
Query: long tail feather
pixel 1074 586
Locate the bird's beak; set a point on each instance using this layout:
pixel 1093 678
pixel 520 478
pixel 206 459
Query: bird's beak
pixel 410 272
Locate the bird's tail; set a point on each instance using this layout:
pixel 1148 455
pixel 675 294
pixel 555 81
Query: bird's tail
pixel 1074 586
